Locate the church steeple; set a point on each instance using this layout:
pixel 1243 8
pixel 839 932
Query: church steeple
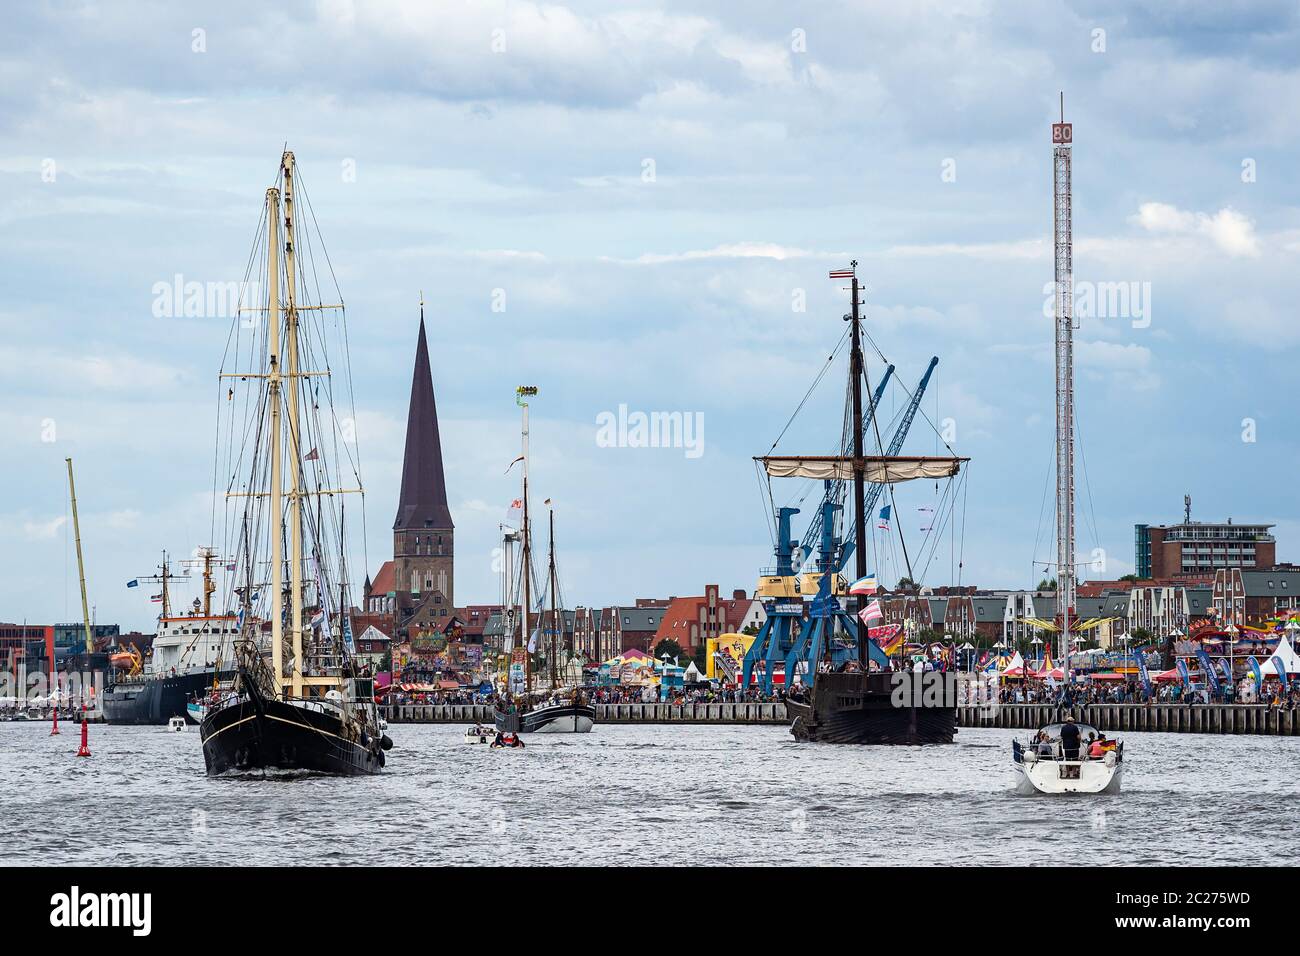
pixel 423 501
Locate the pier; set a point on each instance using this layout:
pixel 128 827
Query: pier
pixel 1259 719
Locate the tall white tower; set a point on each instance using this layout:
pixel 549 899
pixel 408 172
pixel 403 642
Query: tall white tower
pixel 1062 137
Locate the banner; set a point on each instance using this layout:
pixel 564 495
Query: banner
pixel 1142 671
pixel 1211 678
pixel 1182 672
pixel 1259 675
pixel 1280 666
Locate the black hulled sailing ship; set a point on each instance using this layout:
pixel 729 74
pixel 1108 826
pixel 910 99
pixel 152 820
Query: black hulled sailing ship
pixel 849 691
pixel 299 704
pixel 554 707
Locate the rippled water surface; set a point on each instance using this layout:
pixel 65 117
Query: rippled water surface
pixel 640 794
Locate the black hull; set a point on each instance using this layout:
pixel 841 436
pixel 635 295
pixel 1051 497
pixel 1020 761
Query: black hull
pixel 255 734
pixel 155 701
pixel 569 718
pixel 868 709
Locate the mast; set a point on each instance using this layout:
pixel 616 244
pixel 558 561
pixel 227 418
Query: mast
pixel 292 434
pixel 1062 137
pixel 551 586
pixel 859 465
pixel 81 565
pixel 522 392
pixel 273 414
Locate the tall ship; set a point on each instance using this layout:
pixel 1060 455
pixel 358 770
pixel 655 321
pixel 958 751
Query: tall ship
pixel 192 653
pixel 532 702
pixel 825 638
pixel 296 701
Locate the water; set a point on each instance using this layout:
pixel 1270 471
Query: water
pixel 640 795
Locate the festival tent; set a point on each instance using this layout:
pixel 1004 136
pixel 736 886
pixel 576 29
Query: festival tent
pixel 692 675
pixel 1165 676
pixel 1289 658
pixel 1015 667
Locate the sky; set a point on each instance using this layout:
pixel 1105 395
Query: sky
pixel 636 204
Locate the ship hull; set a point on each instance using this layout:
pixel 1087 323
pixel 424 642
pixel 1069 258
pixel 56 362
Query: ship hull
pixel 561 719
pixel 155 701
pixel 253 734
pixel 867 709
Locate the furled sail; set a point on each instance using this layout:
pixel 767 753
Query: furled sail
pixel 882 469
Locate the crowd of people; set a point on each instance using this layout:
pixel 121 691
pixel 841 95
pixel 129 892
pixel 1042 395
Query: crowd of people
pixel 1134 692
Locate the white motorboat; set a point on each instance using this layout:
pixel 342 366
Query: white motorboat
pixel 1045 765
pixel 176 725
pixel 479 734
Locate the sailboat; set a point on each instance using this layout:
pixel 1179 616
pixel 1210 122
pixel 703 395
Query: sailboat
pixel 553 708
pixel 1057 759
pixel 850 691
pixel 302 704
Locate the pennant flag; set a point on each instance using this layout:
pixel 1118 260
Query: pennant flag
pixel 1182 672
pixel 133 583
pixel 867 585
pixel 312 455
pixel 1141 659
pixel 1211 678
pixel 513 463
pixel 230 567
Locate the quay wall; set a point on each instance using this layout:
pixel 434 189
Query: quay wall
pixel 1158 718
pixel 772 713
pixel 1110 718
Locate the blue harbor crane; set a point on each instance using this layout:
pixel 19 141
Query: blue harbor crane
pixel 782 592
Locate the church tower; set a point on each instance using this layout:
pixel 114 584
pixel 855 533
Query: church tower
pixel 423 542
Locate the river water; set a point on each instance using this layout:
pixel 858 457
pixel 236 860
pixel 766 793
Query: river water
pixel 641 795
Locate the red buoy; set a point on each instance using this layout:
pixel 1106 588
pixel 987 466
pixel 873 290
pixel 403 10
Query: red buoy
pixel 84 750
pixel 54 731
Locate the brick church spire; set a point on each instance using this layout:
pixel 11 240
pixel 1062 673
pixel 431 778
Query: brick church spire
pixel 423 501
pixel 423 552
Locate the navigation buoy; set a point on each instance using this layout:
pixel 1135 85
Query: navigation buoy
pixel 54 731
pixel 84 750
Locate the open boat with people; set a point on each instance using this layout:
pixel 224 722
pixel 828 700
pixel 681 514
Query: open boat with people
pixel 1068 758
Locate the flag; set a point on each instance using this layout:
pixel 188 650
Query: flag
pixel 867 585
pixel 1259 676
pixel 133 583
pixel 1142 670
pixel 1211 678
pixel 889 638
pixel 884 518
pixel 871 612
pixel 317 619
pixel 1280 666
pixel 156 598
pixel 239 620
pixel 312 455
pixel 841 274
pixel 1182 672
pixel 516 509
pixel 230 567
pixel 532 639
pixel 513 463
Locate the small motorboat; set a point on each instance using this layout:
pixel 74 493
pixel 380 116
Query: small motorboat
pixel 176 725
pixel 1046 764
pixel 478 734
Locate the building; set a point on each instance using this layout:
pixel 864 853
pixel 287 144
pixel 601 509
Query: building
pixel 1196 548
pixel 626 628
pixel 1251 597
pixel 690 621
pixel 418 586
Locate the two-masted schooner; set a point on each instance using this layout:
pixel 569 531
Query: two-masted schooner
pixel 299 700
pixel 529 703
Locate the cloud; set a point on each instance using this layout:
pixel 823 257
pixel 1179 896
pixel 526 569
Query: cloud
pixel 1229 230
pixel 736 250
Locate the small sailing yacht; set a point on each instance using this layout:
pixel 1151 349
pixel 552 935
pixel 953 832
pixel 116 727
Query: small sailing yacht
pixel 309 707
pixel 556 708
pixel 1057 760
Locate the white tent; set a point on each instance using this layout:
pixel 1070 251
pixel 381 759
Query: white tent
pixel 692 675
pixel 1288 656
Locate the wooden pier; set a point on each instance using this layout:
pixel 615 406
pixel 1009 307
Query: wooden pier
pixel 1111 718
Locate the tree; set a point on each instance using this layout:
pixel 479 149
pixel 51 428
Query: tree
pixel 906 584
pixel 1130 577
pixel 668 646
pixel 750 629
pixel 1046 585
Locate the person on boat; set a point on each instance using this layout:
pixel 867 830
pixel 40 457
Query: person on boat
pixel 1070 738
pixel 1044 744
pixel 1101 746
pixel 499 740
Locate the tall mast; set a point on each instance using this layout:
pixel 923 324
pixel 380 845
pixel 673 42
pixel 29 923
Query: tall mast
pixel 1062 137
pixel 859 491
pixel 551 586
pixel 522 392
pixel 81 565
pixel 292 433
pixel 273 412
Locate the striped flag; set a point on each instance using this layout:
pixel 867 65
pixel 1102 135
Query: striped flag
pixel 841 273
pixel 871 612
pixel 867 585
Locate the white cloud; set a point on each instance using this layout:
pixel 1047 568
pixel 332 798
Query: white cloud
pixel 1229 230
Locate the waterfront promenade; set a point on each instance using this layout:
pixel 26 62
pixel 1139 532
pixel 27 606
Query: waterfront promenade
pixel 1258 719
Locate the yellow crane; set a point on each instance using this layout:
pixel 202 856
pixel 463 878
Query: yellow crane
pixel 81 565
